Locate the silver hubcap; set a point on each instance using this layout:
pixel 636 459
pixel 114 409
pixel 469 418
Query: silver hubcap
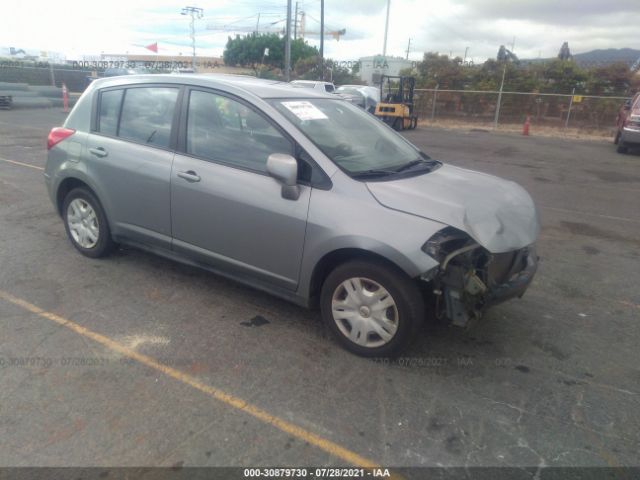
pixel 83 223
pixel 365 312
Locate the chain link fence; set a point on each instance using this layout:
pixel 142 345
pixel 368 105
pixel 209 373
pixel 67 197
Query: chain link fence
pixel 74 79
pixel 544 109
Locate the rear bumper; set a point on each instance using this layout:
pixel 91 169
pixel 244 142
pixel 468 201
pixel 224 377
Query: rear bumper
pixel 630 135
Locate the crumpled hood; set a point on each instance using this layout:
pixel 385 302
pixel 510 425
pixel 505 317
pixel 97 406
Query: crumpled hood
pixel 496 213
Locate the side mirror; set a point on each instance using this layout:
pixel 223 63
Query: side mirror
pixel 627 105
pixel 284 168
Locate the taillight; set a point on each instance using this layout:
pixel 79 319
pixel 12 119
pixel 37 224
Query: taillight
pixel 57 134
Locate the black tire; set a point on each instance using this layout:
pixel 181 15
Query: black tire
pixel 105 244
pixel 404 292
pixel 397 124
pixel 622 147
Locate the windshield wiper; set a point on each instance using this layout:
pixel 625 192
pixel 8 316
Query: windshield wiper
pixel 413 163
pixel 372 173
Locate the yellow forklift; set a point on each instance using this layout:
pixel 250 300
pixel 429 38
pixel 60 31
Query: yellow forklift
pixel 395 107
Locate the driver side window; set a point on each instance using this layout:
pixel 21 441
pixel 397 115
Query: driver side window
pixel 224 130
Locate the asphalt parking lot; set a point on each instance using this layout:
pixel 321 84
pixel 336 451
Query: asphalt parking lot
pixel 136 361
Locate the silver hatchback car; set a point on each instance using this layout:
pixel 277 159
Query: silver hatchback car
pixel 291 191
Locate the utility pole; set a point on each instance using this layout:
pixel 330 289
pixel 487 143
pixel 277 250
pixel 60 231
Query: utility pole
pixel 504 72
pixel 258 24
pixel 287 45
pixel 386 30
pixel 408 48
pixel 295 24
pixel 464 60
pixel 497 115
pixel 321 40
pixel 573 93
pixel 193 12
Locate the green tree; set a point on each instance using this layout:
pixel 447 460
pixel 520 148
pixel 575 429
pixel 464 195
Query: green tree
pixel 439 69
pixel 340 75
pixel 614 79
pixel 561 76
pixel 249 51
pixel 307 68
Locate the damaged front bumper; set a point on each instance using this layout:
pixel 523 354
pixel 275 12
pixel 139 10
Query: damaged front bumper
pixel 517 284
pixel 470 279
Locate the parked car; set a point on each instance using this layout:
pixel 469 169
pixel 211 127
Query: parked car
pixel 294 192
pixel 327 87
pixel 628 124
pixel 367 97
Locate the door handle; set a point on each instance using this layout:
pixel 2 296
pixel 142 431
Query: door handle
pixel 189 176
pixel 98 152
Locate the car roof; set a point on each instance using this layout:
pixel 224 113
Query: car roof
pixel 313 82
pixel 259 87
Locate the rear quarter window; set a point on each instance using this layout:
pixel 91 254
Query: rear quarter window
pixel 147 115
pixel 110 102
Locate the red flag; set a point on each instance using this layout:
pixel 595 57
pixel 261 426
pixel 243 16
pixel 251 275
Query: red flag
pixel 153 47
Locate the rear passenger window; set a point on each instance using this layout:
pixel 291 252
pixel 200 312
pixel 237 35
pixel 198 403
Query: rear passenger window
pixel 222 129
pixel 109 111
pixel 147 114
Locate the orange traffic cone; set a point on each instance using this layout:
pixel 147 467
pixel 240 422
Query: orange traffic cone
pixel 525 127
pixel 65 98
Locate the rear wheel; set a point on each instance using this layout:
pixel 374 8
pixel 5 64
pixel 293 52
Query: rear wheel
pixel 86 224
pixel 372 309
pixel 397 124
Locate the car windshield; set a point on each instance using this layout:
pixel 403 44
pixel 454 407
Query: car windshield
pixel 353 139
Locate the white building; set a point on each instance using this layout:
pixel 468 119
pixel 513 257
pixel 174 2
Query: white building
pixel 372 67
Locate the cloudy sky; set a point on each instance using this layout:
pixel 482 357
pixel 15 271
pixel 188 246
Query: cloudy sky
pixel 77 27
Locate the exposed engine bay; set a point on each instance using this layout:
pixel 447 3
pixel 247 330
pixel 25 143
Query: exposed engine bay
pixel 470 279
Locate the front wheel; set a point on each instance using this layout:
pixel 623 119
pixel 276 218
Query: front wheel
pixel 373 310
pixel 86 223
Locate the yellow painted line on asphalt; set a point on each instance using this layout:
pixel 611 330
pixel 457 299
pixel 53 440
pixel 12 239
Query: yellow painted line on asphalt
pixel 237 403
pixel 21 164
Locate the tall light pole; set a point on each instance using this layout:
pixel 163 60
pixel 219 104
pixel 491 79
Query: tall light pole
pixel 287 45
pixel 386 30
pixel 322 40
pixel 194 12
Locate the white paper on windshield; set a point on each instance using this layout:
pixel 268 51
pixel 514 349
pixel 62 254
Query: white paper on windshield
pixel 305 110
